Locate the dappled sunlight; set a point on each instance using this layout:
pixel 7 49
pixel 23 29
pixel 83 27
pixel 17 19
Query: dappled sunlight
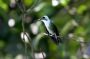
pixel 19 56
pixel 40 55
pixel 24 37
pixel 11 22
pixel 55 2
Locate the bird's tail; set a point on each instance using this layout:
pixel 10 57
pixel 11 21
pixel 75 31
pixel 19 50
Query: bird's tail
pixel 60 39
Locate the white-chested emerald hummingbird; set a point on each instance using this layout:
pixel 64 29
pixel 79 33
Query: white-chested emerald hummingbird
pixel 51 29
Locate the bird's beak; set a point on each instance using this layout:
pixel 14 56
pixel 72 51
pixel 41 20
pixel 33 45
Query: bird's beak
pixel 40 19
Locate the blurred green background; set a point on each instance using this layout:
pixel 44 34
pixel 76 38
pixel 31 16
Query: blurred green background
pixel 71 17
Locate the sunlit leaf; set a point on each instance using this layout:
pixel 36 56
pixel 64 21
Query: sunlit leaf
pixel 81 9
pixel 3 5
pixel 28 2
pixel 80 31
pixel 64 2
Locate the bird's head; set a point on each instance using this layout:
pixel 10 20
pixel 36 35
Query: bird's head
pixel 45 18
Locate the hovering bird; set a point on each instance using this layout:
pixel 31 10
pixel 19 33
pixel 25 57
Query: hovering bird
pixel 51 29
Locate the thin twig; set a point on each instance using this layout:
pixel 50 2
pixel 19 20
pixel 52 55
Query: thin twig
pixel 82 48
pixel 26 51
pixel 23 18
pixel 41 50
pixel 22 8
pixel 30 40
pixel 32 7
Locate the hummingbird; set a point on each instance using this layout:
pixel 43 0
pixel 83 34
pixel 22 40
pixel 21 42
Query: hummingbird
pixel 51 29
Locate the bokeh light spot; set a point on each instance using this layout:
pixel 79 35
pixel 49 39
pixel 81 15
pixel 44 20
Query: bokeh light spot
pixel 11 22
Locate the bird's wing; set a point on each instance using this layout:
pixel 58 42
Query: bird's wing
pixel 54 29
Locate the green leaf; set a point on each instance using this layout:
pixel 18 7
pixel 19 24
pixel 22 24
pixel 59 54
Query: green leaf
pixel 64 2
pixel 28 2
pixel 80 31
pixel 81 9
pixel 3 5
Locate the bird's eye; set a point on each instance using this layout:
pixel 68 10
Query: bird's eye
pixel 43 17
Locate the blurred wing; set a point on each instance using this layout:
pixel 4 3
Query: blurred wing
pixel 54 29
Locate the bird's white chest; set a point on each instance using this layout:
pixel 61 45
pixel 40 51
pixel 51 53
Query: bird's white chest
pixel 48 25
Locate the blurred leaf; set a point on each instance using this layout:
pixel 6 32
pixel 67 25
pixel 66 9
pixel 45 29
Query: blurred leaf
pixel 73 46
pixel 68 26
pixel 80 31
pixel 28 2
pixel 37 40
pixel 46 10
pixel 39 7
pixel 3 5
pixel 2 44
pixel 64 2
pixel 81 9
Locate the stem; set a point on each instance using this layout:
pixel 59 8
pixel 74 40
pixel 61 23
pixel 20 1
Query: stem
pixel 32 7
pixel 23 10
pixel 23 27
pixel 31 45
pixel 82 48
pixel 42 52
pixel 26 51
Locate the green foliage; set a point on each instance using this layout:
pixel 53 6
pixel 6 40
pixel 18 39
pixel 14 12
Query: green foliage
pixel 3 5
pixel 72 18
